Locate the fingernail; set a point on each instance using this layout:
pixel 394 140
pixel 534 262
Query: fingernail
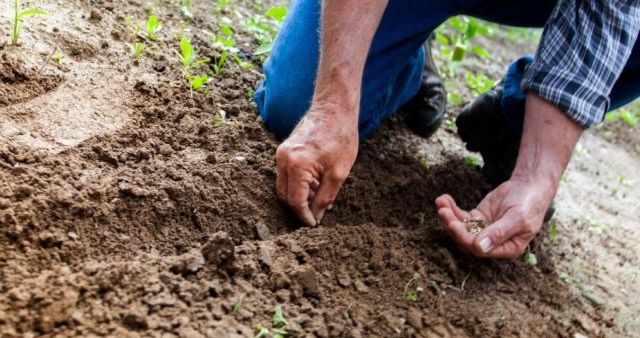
pixel 320 216
pixel 330 206
pixel 485 244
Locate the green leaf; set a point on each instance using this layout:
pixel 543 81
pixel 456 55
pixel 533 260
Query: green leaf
pixel 481 52
pixel 261 331
pixel 277 13
pixel 153 26
pixel 278 317
pixel 31 11
pixel 263 49
pixel 455 98
pixel 627 117
pixel 186 50
pixel 459 52
pixel 553 230
pixel 442 39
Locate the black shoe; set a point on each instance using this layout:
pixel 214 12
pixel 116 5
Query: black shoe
pixel 484 129
pixel 426 110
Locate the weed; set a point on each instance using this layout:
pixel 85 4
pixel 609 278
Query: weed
pixel 153 26
pixel 261 331
pixel 411 295
pixel 137 49
pixel 18 16
pixel 529 257
pixel 224 43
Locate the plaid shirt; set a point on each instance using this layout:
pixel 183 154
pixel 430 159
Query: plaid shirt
pixel 583 50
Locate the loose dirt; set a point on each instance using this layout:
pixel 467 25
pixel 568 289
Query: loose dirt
pixel 125 211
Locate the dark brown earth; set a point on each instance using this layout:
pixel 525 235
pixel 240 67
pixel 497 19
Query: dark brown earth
pixel 125 211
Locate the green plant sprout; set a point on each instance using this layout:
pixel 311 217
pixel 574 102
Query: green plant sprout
pixel 186 8
pixel 137 49
pixel 187 54
pixel 454 98
pixel 18 16
pixel 57 58
pixel 529 257
pixel 456 36
pixel 265 27
pixel 623 114
pixel 153 26
pixel 224 43
pixel 198 81
pixel 478 83
pixel 261 331
pixel 411 295
pixel 278 317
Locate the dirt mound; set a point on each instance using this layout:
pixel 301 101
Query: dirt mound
pixel 132 206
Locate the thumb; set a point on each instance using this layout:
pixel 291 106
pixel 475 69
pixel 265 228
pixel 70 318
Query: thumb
pixel 495 240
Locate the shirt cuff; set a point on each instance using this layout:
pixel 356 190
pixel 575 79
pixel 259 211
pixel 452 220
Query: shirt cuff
pixel 570 92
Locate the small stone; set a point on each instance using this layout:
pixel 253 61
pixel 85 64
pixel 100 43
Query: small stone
pixel 306 277
pixel 160 66
pixel 219 249
pixel 263 232
pixel 135 321
pixel 361 287
pixel 95 15
pixel 72 235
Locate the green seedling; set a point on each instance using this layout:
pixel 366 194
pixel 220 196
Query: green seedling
pixel 187 54
pixel 137 49
pixel 472 161
pixel 224 44
pixel 411 295
pixel 238 305
pixel 455 38
pixel 278 317
pixel 454 98
pixel 265 27
pixel 18 16
pixel 153 26
pixel 186 8
pixel 57 58
pixel 478 83
pixel 261 331
pixel 529 257
pixel 198 81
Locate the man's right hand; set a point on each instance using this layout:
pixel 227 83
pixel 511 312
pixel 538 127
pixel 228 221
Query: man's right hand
pixel 313 163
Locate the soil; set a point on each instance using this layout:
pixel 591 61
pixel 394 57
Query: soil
pixel 125 211
pixel 474 227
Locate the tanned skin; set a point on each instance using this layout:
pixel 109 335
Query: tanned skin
pixel 313 163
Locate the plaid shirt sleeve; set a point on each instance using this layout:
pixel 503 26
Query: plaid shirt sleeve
pixel 583 50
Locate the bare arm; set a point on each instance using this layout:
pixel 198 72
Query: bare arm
pixel 314 161
pixel 515 210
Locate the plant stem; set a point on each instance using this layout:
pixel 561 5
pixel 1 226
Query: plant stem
pixel 14 34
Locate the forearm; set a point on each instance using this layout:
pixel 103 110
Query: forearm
pixel 348 27
pixel 548 139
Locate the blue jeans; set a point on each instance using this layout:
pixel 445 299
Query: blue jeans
pixel 395 62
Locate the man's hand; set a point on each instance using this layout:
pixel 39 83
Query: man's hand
pixel 515 209
pixel 314 161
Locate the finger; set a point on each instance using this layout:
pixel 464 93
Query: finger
pixel 456 229
pixel 312 194
pixel 281 180
pixel 315 184
pixel 298 189
pixel 446 201
pixel 326 194
pixel 510 249
pixel 498 234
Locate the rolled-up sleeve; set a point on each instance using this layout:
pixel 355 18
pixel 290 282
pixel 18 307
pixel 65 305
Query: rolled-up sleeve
pixel 583 50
